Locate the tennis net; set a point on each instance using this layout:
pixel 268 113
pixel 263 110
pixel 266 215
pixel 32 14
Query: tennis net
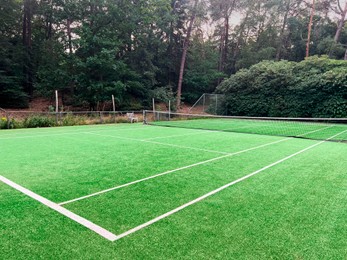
pixel 334 129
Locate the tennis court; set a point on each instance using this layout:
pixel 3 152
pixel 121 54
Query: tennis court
pixel 196 190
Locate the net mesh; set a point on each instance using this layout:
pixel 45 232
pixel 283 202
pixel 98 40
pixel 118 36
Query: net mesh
pixel 309 128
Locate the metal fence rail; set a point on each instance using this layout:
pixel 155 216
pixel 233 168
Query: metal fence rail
pixel 19 119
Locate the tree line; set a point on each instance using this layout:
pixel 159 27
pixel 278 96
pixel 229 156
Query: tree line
pixel 138 49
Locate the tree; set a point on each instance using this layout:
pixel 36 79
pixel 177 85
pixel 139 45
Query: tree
pixel 12 93
pixel 341 23
pixel 184 53
pixel 310 29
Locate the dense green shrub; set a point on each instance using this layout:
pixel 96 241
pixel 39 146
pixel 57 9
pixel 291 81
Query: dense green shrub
pixel 316 87
pixel 3 123
pixel 38 121
pixel 69 120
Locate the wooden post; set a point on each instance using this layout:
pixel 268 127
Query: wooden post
pixel 144 117
pixel 169 109
pixel 114 109
pixel 56 106
pixel 216 104
pixel 153 104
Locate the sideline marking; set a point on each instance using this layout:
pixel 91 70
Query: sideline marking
pixel 84 222
pixel 218 190
pixel 170 171
pixel 178 169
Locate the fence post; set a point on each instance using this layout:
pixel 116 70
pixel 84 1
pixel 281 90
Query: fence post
pixel 114 109
pixel 56 108
pixel 101 120
pixel 216 104
pixel 8 120
pixel 153 103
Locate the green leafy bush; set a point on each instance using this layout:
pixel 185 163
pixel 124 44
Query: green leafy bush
pixel 316 87
pixel 3 123
pixel 70 120
pixel 38 121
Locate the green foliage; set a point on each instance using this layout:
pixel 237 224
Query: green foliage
pixel 201 74
pixel 3 123
pixel 90 50
pixel 163 94
pixel 39 121
pixel 12 93
pixel 316 87
pixel 70 120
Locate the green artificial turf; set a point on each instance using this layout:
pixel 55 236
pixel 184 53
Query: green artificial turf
pixel 294 210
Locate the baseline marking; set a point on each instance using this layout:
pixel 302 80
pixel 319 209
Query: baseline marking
pixel 219 189
pixel 84 222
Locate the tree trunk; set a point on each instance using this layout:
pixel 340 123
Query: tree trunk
pixel 27 35
pixel 224 43
pixel 285 20
pixel 69 35
pixel 184 55
pixel 346 54
pixel 341 24
pixel 310 29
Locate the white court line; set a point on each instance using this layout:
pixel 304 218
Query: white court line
pixel 175 170
pixel 171 171
pixel 171 136
pixel 46 134
pixel 84 222
pixel 153 142
pixel 218 190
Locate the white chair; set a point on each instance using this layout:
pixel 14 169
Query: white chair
pixel 132 118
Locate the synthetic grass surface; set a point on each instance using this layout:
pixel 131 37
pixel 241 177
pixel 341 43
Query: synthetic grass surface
pixel 293 210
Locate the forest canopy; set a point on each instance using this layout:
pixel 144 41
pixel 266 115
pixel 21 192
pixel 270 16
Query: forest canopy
pixel 92 49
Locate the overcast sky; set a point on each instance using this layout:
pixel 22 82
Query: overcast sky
pixel 236 18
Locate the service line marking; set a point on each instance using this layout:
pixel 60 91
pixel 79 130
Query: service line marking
pixel 218 190
pixel 84 222
pixel 178 169
pixel 171 171
pixel 154 142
